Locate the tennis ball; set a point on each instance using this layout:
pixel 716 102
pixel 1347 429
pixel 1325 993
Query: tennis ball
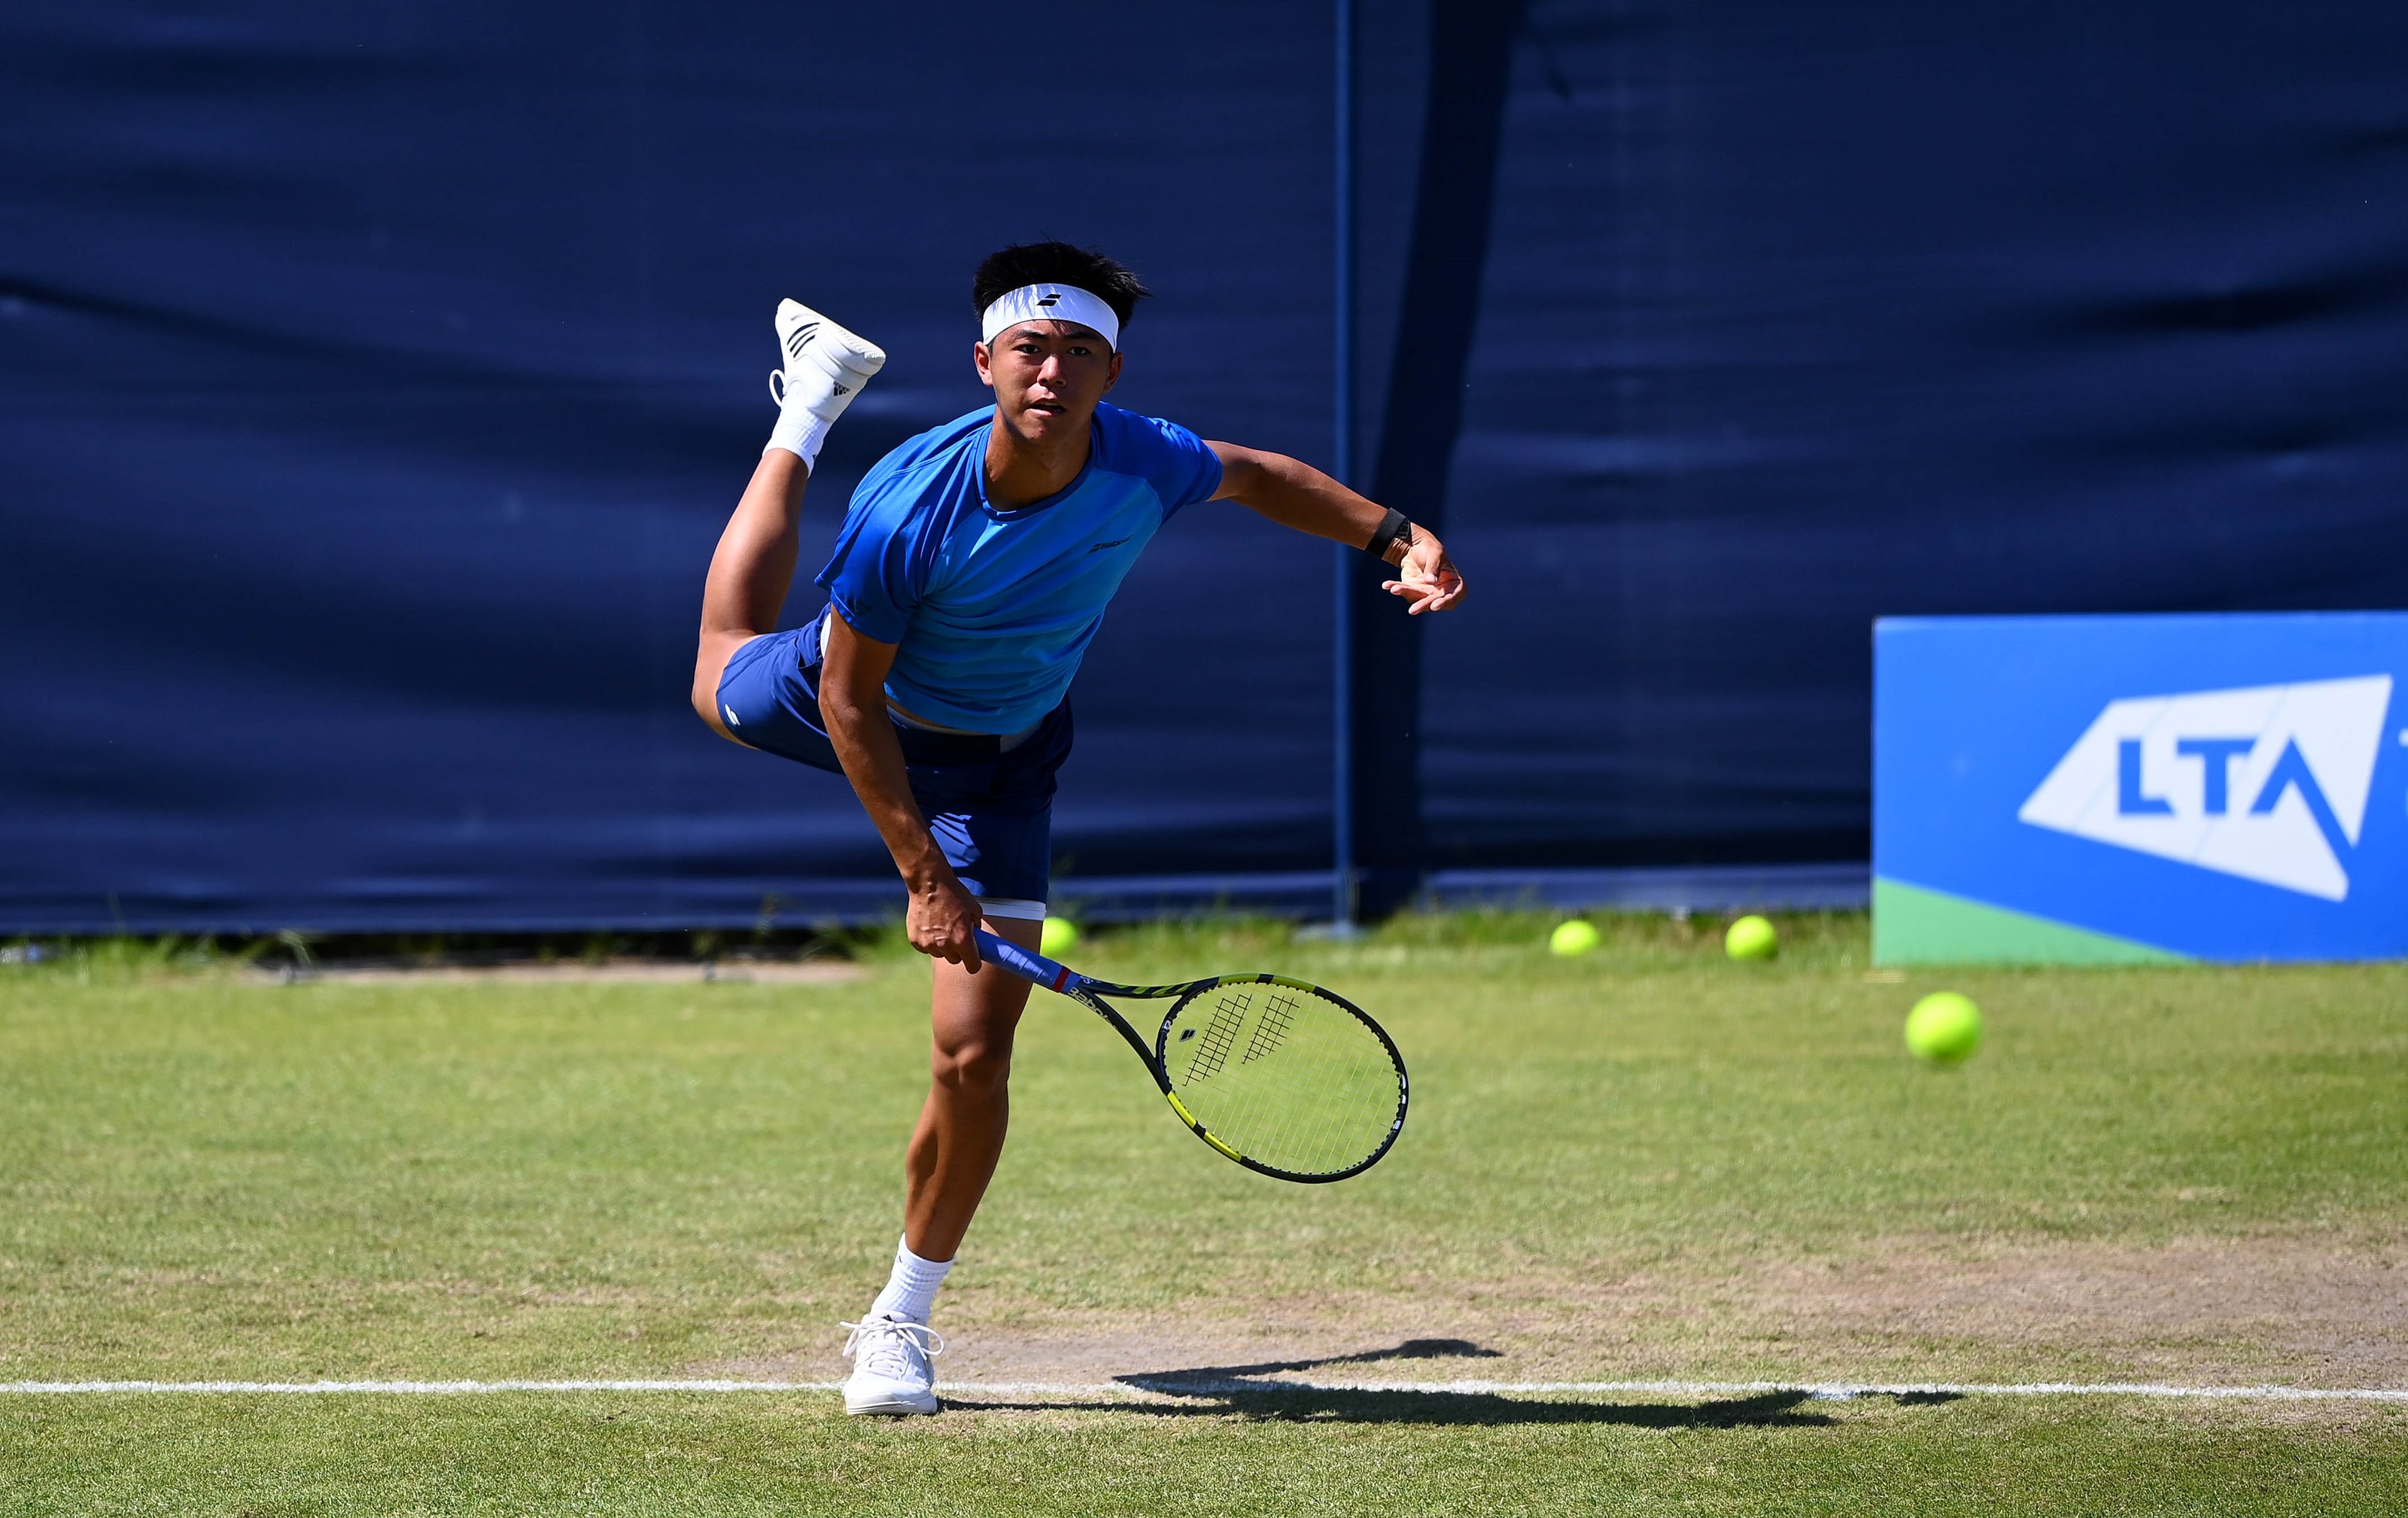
pixel 1751 937
pixel 1058 938
pixel 1577 936
pixel 1945 1027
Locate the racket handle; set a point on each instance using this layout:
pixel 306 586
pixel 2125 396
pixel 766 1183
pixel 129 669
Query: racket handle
pixel 1026 964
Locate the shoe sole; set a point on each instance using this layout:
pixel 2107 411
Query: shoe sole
pixel 890 1408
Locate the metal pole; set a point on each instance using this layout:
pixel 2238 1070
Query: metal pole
pixel 1343 461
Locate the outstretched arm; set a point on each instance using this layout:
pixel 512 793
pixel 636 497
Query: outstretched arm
pixel 1296 495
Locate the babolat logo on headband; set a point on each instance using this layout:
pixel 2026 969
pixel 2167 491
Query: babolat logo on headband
pixel 1050 303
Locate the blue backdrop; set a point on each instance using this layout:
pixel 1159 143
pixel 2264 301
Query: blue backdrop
pixel 376 380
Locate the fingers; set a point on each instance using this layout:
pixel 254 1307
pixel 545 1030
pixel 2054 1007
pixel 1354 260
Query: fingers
pixel 955 949
pixel 1428 577
pixel 943 925
pixel 1441 597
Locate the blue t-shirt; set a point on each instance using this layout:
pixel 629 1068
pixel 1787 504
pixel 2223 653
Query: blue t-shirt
pixel 991 610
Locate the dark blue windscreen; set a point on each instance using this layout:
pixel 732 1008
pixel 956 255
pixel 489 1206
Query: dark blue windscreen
pixel 374 379
pixel 377 380
pixel 1798 315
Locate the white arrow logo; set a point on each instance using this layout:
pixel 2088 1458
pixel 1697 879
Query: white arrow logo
pixel 2268 782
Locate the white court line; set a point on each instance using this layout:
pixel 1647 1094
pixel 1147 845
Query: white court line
pixel 1164 1386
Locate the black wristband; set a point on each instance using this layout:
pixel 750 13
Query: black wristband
pixel 1392 526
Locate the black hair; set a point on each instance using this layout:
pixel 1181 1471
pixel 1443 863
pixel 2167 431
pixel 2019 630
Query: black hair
pixel 1057 262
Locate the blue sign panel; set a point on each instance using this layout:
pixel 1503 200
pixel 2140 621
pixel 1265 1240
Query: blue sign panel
pixel 2126 788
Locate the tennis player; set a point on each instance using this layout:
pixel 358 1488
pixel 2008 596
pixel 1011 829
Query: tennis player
pixel 971 572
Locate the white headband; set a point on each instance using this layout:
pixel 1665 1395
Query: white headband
pixel 1050 303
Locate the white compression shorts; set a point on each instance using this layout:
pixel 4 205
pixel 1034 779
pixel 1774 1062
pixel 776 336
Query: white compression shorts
pixel 1013 908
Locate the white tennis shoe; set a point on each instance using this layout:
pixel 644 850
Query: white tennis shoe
pixel 891 1375
pixel 826 365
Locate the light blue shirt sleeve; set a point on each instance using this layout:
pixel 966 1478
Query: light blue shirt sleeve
pixel 878 571
pixel 1175 462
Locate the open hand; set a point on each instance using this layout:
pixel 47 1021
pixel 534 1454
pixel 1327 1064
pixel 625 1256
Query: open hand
pixel 1429 578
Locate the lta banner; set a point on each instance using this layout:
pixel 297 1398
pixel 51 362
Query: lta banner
pixel 2104 789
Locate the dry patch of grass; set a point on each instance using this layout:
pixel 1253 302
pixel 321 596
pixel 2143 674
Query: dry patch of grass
pixel 2203 1312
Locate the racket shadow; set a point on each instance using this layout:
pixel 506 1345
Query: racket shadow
pixel 1276 1403
pixel 1249 1391
pixel 1411 1348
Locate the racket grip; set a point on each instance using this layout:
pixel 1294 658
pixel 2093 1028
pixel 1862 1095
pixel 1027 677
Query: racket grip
pixel 1026 964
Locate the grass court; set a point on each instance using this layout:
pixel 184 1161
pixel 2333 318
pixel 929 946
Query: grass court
pixel 1644 1164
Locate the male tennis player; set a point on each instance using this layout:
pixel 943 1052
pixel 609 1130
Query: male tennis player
pixel 971 572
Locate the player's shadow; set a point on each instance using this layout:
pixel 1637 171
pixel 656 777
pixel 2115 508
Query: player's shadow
pixel 1249 1391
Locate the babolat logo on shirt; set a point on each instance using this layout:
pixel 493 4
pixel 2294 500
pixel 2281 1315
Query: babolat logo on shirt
pixel 2268 782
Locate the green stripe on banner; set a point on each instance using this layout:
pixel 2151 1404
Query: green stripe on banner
pixel 1916 927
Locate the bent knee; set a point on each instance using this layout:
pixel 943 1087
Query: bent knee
pixel 706 705
pixel 709 666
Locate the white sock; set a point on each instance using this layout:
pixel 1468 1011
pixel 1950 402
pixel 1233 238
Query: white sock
pixel 911 1289
pixel 798 432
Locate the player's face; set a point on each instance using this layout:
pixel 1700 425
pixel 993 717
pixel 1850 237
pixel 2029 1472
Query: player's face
pixel 1047 377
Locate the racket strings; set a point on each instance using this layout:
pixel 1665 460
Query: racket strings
pixel 1314 1091
pixel 1272 1028
pixel 1220 1037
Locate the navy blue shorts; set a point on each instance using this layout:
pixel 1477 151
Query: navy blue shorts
pixel 990 807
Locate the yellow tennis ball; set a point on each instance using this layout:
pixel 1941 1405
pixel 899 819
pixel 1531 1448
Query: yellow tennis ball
pixel 1945 1027
pixel 1752 937
pixel 1058 938
pixel 1577 936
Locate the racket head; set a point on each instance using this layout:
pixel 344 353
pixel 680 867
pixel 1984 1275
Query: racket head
pixel 1283 1075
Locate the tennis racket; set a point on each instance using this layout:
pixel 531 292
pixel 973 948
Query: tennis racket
pixel 1287 1078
